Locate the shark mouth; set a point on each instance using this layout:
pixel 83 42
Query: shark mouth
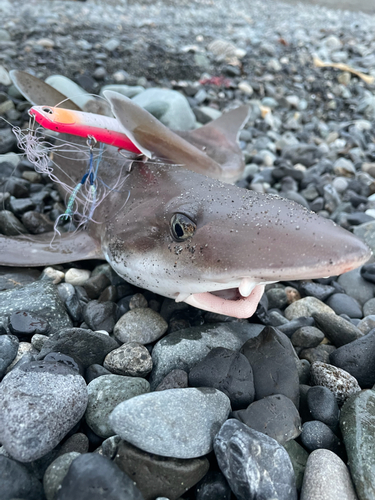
pixel 229 302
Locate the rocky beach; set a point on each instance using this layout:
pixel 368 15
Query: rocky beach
pixel 109 391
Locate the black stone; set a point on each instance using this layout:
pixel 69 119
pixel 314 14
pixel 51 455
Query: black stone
pixel 8 351
pixel 307 336
pixel 276 416
pixel 176 379
pixel 10 225
pixel 336 329
pixel 213 486
pixel 244 454
pixel 58 357
pixel 368 272
pixel 289 328
pixel 74 308
pixel 21 205
pixel 94 286
pixel 25 323
pixel 37 223
pixel 357 358
pixel 95 371
pixel 226 370
pixel 100 315
pixel 271 352
pixel 17 482
pixel 318 290
pixel 77 442
pixel 108 294
pixel 8 141
pixel 344 304
pixel 323 406
pixel 85 346
pixel 319 353
pixel 316 435
pixel 93 477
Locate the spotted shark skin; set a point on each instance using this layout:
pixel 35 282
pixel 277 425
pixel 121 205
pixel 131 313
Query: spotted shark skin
pixel 184 235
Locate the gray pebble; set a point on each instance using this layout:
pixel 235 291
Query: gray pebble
pixel 129 359
pixel 357 287
pixel 8 351
pixel 141 325
pixel 340 382
pixel 55 474
pixel 306 307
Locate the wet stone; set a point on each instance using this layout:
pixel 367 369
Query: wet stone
pixel 304 367
pixel 307 336
pixel 76 443
pixel 175 379
pixel 276 416
pixel 141 325
pixel 357 287
pixel 58 357
pixel 100 315
pixel 131 359
pixel 18 482
pixel 338 381
pixel 272 352
pixel 357 422
pixel 369 308
pixel 8 351
pixel 41 402
pixel 327 476
pixel 95 285
pixel 255 465
pixel 213 486
pixel 319 353
pixel 56 472
pixel 83 345
pixel 159 476
pixel 179 423
pixel 316 434
pixel 322 404
pixel 228 371
pixel 368 272
pixel 357 358
pixel 337 329
pixel 24 323
pixel 344 304
pixel 24 351
pixel 109 294
pixel 298 456
pixel 93 477
pixel 94 371
pixel 138 300
pixel 277 298
pixel 366 324
pixel 291 326
pixel 104 394
pixel 317 290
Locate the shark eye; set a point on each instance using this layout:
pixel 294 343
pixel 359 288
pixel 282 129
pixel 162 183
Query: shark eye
pixel 182 227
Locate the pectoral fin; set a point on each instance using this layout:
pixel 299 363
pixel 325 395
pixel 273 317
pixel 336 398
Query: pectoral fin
pixel 36 250
pixel 40 93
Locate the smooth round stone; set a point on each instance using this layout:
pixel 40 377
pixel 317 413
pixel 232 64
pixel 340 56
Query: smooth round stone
pixel 344 304
pixel 58 357
pixel 55 474
pixel 129 359
pixel 179 423
pixel 291 326
pixel 368 272
pixel 94 371
pixel 25 323
pixel 338 381
pixel 366 324
pixel 93 477
pixel 10 225
pixel 357 358
pixel 255 465
pixel 8 351
pixel 83 345
pixel 213 486
pixel 52 275
pixel 357 421
pixel 307 336
pixel 276 416
pixel 226 370
pixel 277 298
pixel 159 476
pixel 323 406
pixel 355 286
pixel 95 285
pixel 104 394
pixel 100 315
pixel 304 367
pixel 319 353
pixel 17 482
pixel 298 456
pixel 306 307
pixel 126 90
pixel 138 300
pixel 316 434
pixel 326 478
pixel 337 329
pixel 77 277
pixel 369 308
pixel 41 402
pixel 176 379
pixel 272 352
pixel 77 442
pixel 141 325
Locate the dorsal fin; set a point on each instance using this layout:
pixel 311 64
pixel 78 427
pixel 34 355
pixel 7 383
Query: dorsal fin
pixel 40 93
pixel 35 250
pixel 153 138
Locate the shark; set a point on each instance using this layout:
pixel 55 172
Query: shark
pixel 174 224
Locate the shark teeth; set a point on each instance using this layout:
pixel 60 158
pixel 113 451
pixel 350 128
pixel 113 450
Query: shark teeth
pixel 246 286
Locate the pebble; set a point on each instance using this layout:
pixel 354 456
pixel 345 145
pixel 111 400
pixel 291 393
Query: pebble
pixel 356 286
pixel 52 275
pixel 10 225
pixel 95 285
pixel 276 416
pixel 18 482
pixel 338 330
pixel 369 308
pixel 70 89
pixel 176 379
pixel 344 304
pixel 357 422
pixel 317 290
pixel 272 352
pixel 104 394
pixel 141 325
pixel 307 336
pixel 77 442
pixel 327 477
pixel 100 315
pixel 25 349
pixel 316 434
pixel 131 359
pixel 322 404
pixel 159 476
pixel 186 421
pixel 228 371
pixel 298 456
pixel 94 371
pixel 366 324
pixel 213 486
pixel 85 346
pixel 77 277
pixel 338 381
pixel 24 323
pixel 94 477
pixel 8 349
pixel 291 326
pixel 255 465
pixel 41 402
pixel 126 90
pixel 357 359
pixel 56 472
pixel 306 307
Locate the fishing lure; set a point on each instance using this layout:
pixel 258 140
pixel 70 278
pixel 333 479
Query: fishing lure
pixel 103 128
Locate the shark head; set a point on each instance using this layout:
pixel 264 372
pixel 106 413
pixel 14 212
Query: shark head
pixel 215 246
